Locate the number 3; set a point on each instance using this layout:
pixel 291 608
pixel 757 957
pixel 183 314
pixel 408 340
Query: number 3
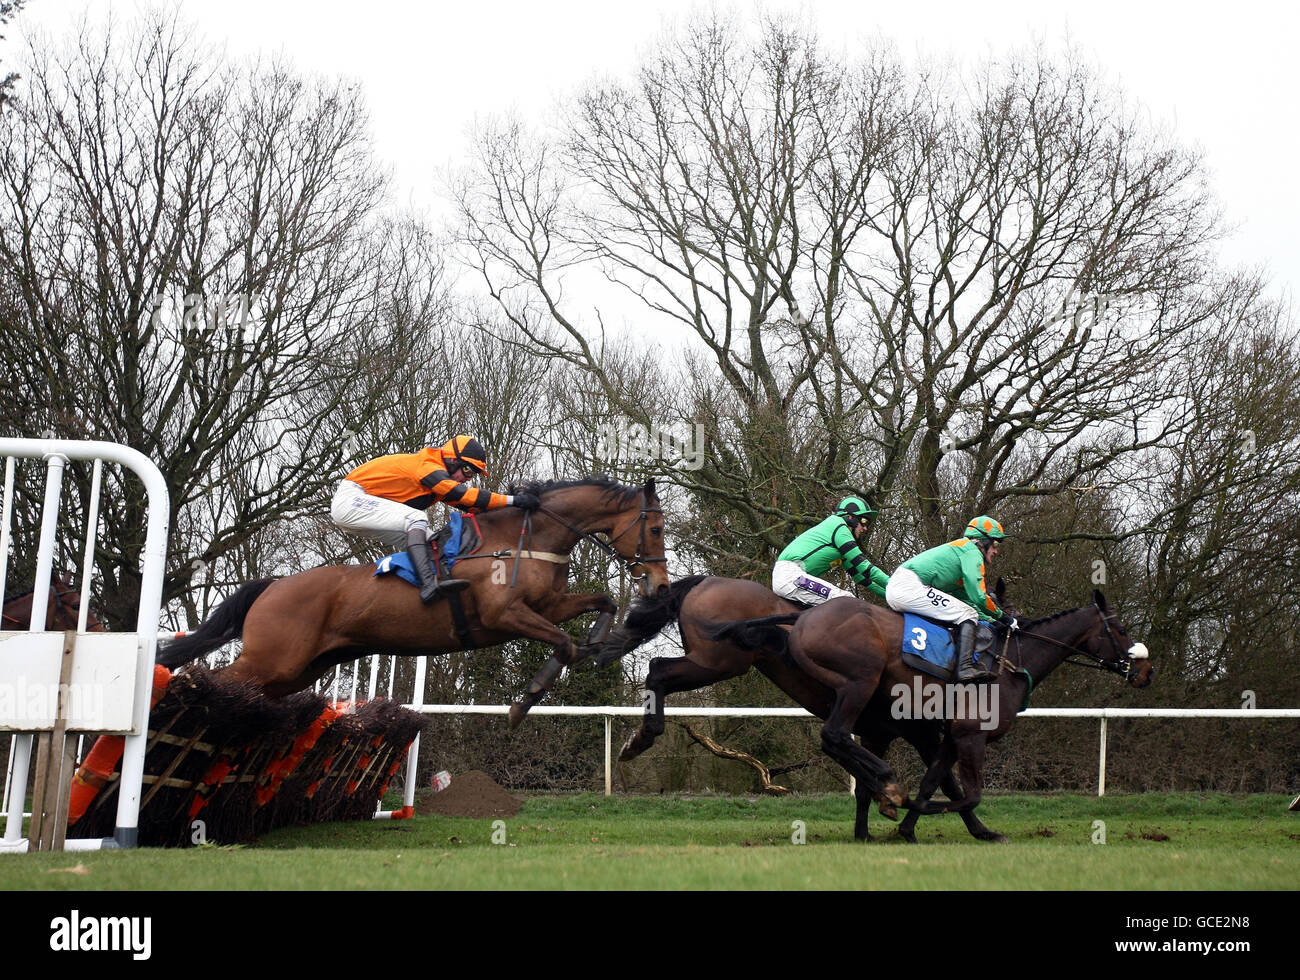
pixel 918 638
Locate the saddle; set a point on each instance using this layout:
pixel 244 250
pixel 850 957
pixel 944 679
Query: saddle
pixel 931 646
pixel 457 539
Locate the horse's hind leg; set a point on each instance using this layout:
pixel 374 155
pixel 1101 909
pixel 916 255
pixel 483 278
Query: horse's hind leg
pixel 668 675
pixel 838 743
pixel 938 768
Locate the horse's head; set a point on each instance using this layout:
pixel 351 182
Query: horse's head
pixel 630 517
pixel 1109 644
pixel 638 537
pixel 65 607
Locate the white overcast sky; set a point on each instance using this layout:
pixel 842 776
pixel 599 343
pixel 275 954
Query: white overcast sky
pixel 1226 77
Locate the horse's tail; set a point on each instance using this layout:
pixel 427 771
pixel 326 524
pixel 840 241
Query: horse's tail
pixel 756 634
pixel 645 620
pixel 225 624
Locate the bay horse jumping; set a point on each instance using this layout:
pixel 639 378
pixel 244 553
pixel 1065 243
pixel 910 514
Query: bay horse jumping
pixel 61 613
pixel 853 648
pixel 296 628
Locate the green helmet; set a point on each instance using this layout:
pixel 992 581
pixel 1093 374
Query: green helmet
pixel 985 527
pixel 854 507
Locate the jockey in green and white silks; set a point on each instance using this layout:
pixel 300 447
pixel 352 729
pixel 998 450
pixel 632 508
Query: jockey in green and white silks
pixel 832 542
pixel 947 583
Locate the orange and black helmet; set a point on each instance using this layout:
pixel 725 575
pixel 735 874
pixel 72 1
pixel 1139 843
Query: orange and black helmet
pixel 466 451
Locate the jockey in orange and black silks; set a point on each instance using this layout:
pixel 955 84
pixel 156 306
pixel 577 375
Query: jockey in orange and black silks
pixel 387 497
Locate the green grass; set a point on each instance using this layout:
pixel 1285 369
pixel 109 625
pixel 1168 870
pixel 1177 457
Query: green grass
pixel 592 842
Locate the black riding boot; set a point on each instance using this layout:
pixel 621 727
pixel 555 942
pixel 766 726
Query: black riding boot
pixel 967 669
pixel 417 546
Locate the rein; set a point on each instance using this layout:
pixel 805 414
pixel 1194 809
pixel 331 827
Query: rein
pixel 1092 663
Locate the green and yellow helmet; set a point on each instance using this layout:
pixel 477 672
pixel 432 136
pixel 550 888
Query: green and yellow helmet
pixel 855 508
pixel 985 527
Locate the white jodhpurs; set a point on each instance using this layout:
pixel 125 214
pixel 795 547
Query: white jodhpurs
pixel 907 593
pixel 374 517
pixel 790 581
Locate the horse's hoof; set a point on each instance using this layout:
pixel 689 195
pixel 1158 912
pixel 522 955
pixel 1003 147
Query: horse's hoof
pixel 630 749
pixel 909 838
pixel 518 711
pixel 997 839
pixel 894 794
pixel 887 809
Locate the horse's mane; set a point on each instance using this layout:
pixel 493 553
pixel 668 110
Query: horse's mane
pixel 612 487
pixel 1048 619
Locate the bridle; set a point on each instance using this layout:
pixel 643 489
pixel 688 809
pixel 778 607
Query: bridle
pixel 1123 663
pixel 640 558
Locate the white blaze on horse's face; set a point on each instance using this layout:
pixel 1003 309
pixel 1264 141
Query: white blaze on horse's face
pixel 1138 651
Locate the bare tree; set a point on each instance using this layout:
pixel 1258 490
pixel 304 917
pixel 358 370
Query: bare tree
pixel 892 278
pixel 192 252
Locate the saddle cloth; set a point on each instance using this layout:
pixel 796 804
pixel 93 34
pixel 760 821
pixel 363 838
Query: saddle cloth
pixel 399 565
pixel 931 647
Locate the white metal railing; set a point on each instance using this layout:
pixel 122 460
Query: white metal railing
pixel 128 691
pixel 610 712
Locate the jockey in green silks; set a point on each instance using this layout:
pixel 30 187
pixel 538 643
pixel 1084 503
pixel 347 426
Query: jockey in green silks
pixel 832 542
pixel 947 583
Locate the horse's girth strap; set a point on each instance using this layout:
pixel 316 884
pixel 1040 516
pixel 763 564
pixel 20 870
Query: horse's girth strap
pixel 510 553
pixel 540 556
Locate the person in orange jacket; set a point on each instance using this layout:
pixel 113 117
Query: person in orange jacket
pixel 387 499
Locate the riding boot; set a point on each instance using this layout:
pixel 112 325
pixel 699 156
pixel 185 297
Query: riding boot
pixel 968 669
pixel 417 546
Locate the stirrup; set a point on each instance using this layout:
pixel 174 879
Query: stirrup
pixel 441 588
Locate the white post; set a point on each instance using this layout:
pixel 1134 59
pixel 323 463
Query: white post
pixel 609 719
pixel 154 567
pixel 4 522
pixel 413 753
pixel 1101 765
pixel 20 764
pixel 88 563
pixel 374 677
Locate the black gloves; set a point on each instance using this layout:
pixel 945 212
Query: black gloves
pixel 527 501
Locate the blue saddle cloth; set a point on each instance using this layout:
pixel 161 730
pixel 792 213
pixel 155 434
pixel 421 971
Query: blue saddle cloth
pixel 399 565
pixel 926 640
pixel 448 550
pixel 932 647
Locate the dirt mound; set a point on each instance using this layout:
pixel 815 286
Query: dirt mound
pixel 471 794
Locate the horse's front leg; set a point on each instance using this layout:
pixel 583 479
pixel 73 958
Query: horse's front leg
pixel 560 610
pixel 971 746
